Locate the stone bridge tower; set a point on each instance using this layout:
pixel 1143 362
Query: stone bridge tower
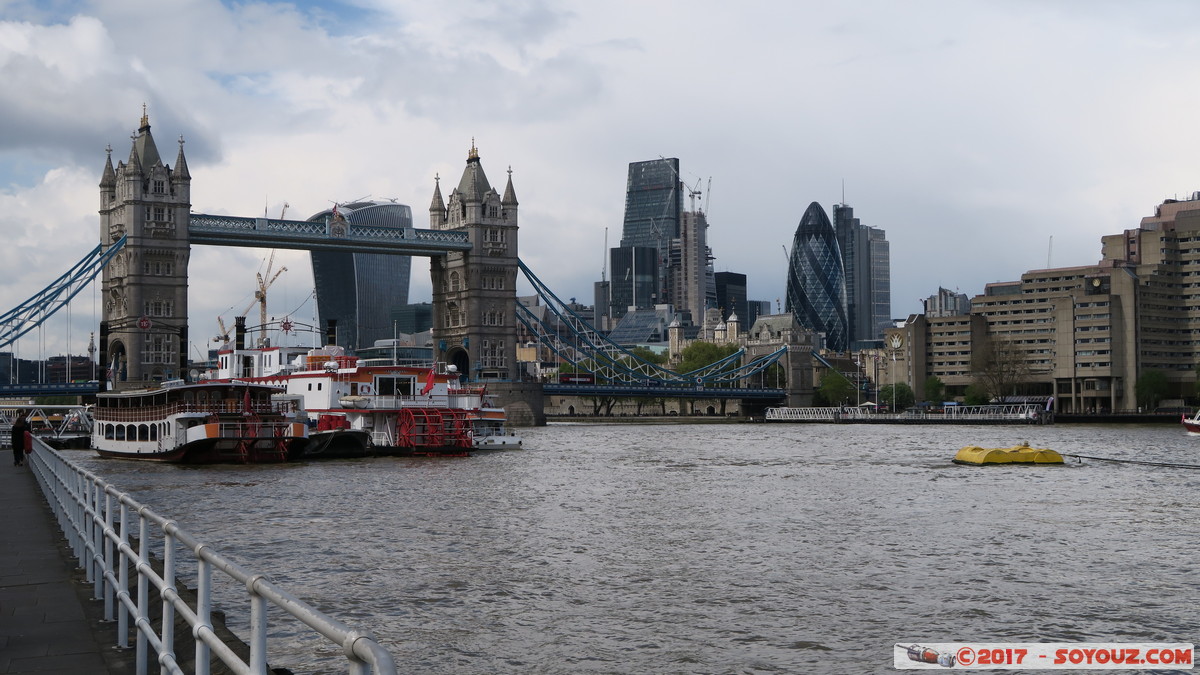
pixel 474 292
pixel 143 327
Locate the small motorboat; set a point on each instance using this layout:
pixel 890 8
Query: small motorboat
pixel 1192 424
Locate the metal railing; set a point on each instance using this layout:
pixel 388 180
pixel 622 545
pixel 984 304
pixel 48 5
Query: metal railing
pixel 110 533
pixel 815 414
pixel 979 413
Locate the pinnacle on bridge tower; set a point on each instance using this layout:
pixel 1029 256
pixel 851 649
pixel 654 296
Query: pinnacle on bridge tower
pixel 474 292
pixel 143 328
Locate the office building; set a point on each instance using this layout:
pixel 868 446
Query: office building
pixel 360 290
pixel 414 318
pixel 816 282
pixel 653 204
pixel 1081 336
pixel 946 303
pixel 731 296
pixel 866 259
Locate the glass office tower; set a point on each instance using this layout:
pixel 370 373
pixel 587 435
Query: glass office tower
pixel 816 283
pixel 866 260
pixel 360 290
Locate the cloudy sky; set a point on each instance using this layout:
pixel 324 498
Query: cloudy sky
pixel 986 138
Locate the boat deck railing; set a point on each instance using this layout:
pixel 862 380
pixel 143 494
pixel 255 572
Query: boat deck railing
pixel 111 535
pixel 154 413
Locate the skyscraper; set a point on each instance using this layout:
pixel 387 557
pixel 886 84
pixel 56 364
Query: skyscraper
pixel 816 283
pixel 866 259
pixel 653 204
pixel 731 296
pixel 360 290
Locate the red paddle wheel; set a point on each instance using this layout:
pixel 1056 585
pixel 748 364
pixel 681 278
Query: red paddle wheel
pixel 432 428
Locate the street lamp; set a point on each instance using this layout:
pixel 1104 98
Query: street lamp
pixel 858 382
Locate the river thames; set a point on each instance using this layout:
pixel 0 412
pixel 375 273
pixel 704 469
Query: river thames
pixel 751 548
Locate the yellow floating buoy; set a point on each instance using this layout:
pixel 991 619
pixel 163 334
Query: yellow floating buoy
pixel 1018 454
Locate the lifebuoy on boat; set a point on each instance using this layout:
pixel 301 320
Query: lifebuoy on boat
pixel 365 390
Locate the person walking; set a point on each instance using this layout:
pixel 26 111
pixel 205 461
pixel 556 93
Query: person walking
pixel 18 440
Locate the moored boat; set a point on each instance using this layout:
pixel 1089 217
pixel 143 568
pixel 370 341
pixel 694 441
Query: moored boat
pixel 374 407
pixel 1192 424
pixel 208 423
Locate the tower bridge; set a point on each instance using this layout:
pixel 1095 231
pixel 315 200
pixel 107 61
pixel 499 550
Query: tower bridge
pixel 147 230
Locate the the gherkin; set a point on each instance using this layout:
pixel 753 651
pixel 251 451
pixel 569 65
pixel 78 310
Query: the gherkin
pixel 816 284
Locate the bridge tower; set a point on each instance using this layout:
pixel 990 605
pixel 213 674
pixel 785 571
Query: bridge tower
pixel 143 327
pixel 474 292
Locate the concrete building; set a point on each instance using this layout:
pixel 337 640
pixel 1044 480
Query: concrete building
pixel 691 283
pixel 1083 335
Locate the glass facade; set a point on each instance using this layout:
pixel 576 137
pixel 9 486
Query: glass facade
pixel 360 290
pixel 731 296
pixel 816 283
pixel 866 259
pixel 634 280
pixel 653 202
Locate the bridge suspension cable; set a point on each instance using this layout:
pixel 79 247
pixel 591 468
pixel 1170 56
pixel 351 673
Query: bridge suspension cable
pixel 34 311
pixel 585 348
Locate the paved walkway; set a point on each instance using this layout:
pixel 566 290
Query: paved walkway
pixel 48 623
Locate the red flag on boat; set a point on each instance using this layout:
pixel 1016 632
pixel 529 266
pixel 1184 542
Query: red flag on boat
pixel 428 383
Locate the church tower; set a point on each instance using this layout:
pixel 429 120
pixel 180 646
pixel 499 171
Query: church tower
pixel 143 329
pixel 474 292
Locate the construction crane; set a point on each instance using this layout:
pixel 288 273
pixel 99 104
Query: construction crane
pixel 265 279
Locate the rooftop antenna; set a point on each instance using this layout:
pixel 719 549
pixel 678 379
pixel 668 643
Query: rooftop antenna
pixel 604 267
pixel 1049 251
pixel 843 192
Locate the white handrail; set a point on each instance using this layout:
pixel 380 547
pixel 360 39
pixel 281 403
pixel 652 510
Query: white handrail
pixel 95 517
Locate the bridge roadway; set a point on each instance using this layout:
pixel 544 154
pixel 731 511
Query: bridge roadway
pixel 330 235
pixel 49 389
pixel 661 391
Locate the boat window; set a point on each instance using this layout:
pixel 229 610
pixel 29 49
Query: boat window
pixel 154 432
pixel 108 431
pixel 120 432
pixel 143 432
pixel 394 386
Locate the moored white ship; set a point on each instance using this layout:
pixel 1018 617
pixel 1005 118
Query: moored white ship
pixel 216 422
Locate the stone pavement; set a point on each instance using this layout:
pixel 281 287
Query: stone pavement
pixel 48 622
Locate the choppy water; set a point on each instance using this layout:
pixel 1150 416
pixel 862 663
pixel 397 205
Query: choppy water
pixel 712 549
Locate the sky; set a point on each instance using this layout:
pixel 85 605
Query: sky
pixel 985 138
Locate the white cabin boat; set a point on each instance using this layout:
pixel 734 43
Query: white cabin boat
pixel 217 422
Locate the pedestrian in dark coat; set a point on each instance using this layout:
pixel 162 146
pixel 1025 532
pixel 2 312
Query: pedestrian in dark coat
pixel 18 440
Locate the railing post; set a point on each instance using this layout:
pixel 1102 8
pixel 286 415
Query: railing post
pixel 168 609
pixel 143 589
pixel 97 543
pixel 203 610
pixel 123 583
pixel 89 529
pixel 258 629
pixel 109 590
